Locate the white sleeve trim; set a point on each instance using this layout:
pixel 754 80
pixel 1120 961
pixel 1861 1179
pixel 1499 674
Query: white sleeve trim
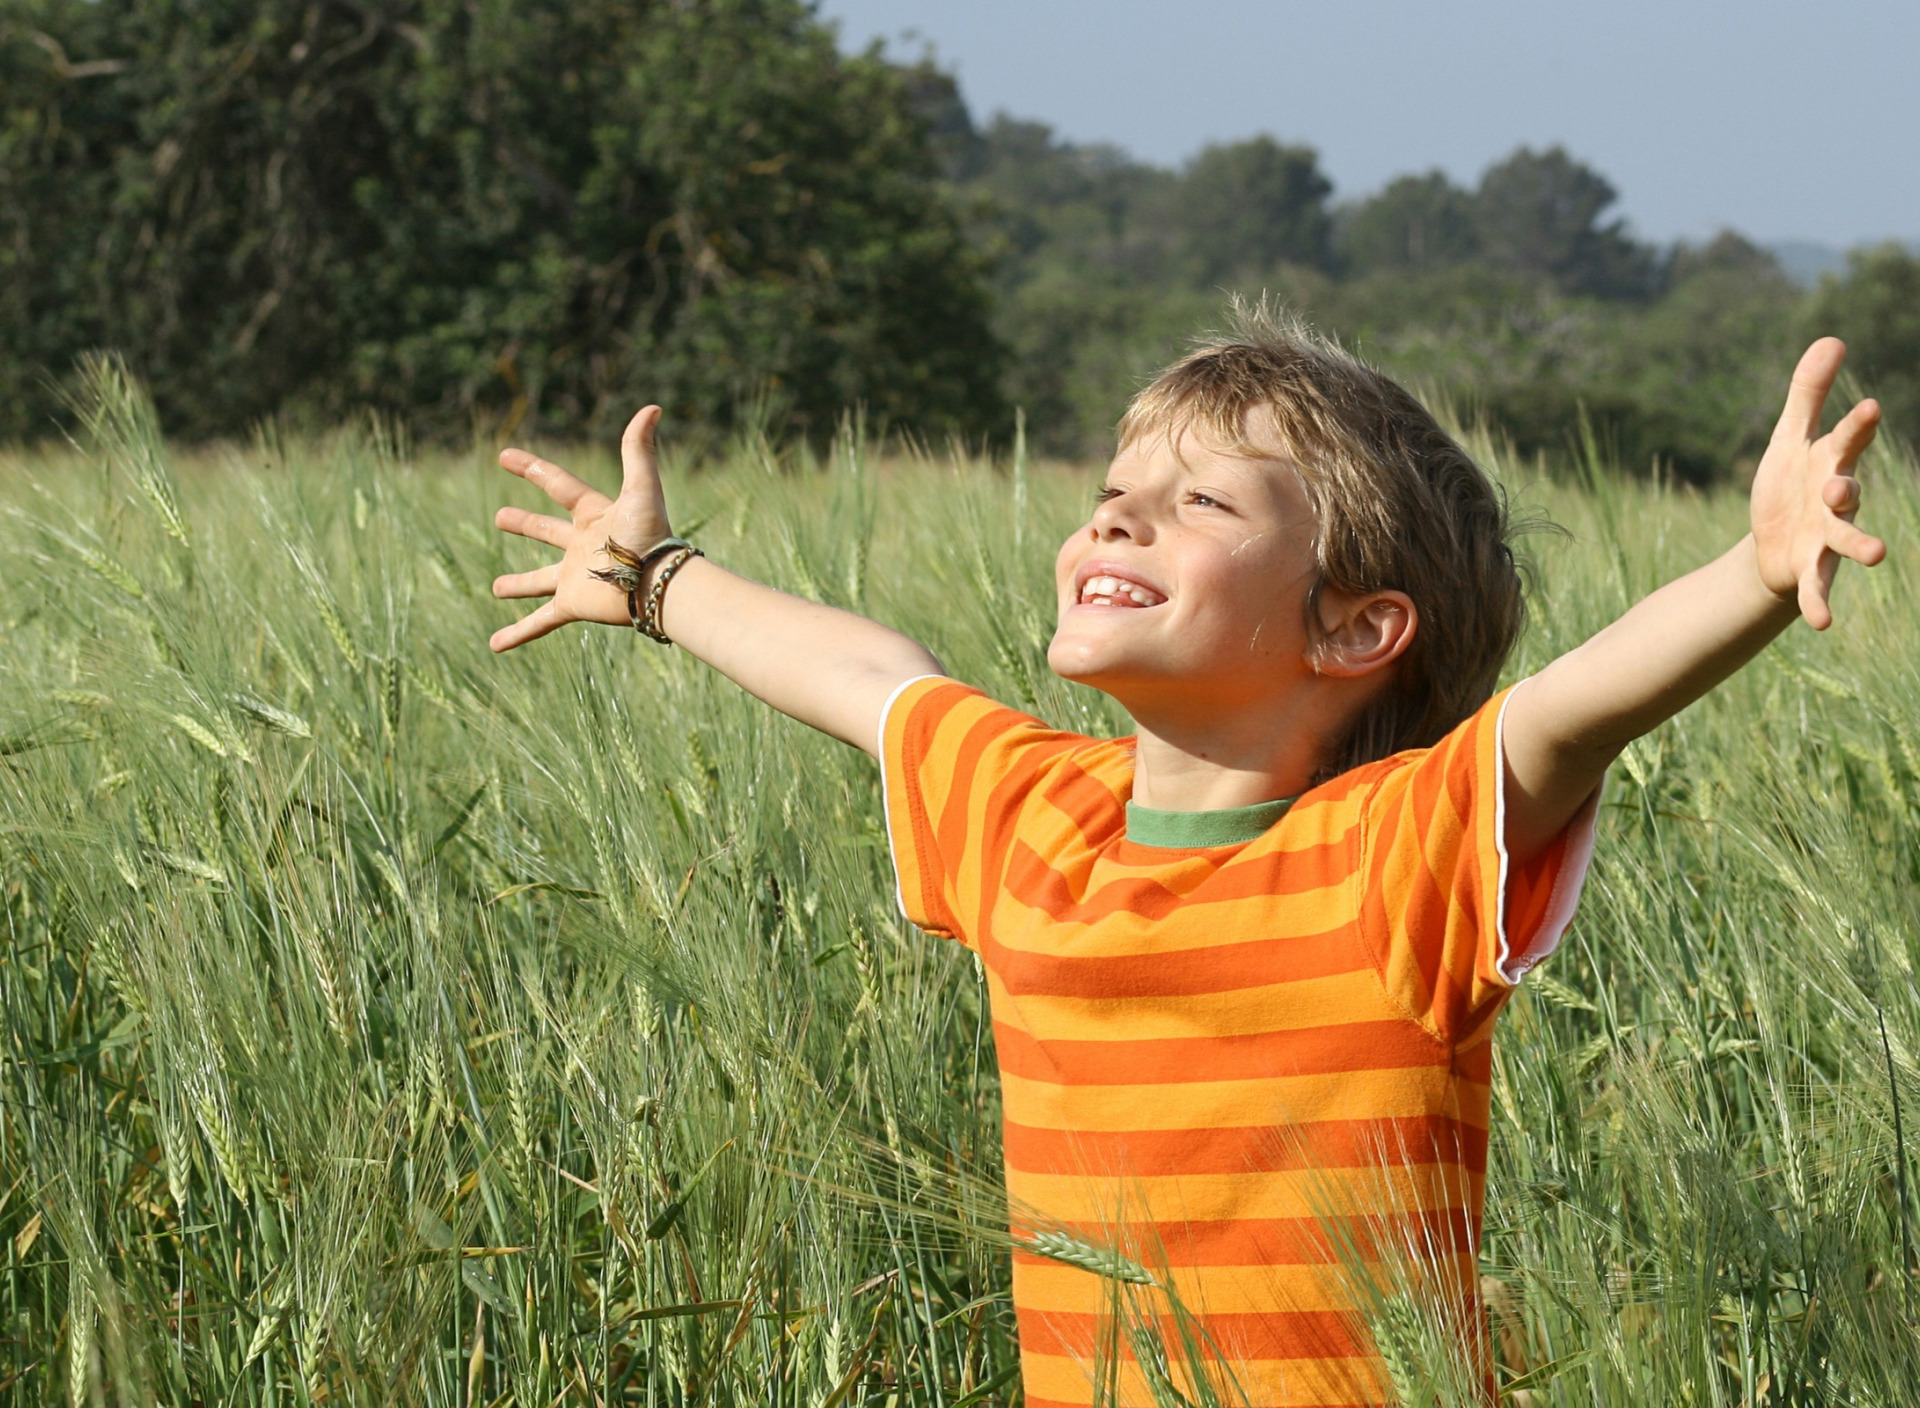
pixel 886 796
pixel 1567 883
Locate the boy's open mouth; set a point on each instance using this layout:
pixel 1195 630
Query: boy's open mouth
pixel 1104 587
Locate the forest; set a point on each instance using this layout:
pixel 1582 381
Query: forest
pixel 475 221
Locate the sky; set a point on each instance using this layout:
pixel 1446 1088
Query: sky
pixel 1783 121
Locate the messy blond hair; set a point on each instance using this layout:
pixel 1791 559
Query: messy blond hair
pixel 1397 505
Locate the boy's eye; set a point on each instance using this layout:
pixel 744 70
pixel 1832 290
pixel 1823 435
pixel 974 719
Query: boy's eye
pixel 1105 492
pixel 1205 501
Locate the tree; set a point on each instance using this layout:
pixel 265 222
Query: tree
pixel 450 211
pixel 1083 258
pixel 56 99
pixel 1875 309
pixel 1246 207
pixel 1416 222
pixel 1540 212
pixel 1727 253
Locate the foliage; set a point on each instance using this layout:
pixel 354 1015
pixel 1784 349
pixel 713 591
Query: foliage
pixel 1540 212
pixel 1253 205
pixel 1877 308
pixel 1688 382
pixel 1521 301
pixel 455 213
pixel 471 218
pixel 1415 222
pixel 391 1023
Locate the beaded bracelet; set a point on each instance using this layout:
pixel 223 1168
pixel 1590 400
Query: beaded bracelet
pixel 649 624
pixel 629 574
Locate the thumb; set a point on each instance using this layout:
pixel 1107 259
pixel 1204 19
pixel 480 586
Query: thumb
pixel 1813 378
pixel 640 474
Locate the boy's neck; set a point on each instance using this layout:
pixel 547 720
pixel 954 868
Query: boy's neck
pixel 1219 762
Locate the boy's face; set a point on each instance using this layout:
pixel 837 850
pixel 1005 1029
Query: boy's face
pixel 1187 590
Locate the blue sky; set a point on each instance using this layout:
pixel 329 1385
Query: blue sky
pixel 1784 121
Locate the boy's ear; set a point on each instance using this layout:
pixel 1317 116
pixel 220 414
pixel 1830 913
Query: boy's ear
pixel 1361 634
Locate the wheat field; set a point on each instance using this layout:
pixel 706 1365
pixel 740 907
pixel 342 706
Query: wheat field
pixel 391 1023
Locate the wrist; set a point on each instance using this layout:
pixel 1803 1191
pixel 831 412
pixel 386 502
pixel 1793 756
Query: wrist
pixel 657 554
pixel 1781 602
pixel 641 575
pixel 676 554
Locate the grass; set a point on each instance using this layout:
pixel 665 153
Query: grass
pixel 391 1023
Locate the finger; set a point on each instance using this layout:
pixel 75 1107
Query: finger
pixel 542 528
pixel 1854 545
pixel 1850 438
pixel 529 627
pixel 1841 494
pixel 640 469
pixel 1813 601
pixel 1807 393
pixel 543 581
pixel 563 488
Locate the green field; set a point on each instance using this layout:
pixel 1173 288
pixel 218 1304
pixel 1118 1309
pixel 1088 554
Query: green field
pixel 387 1022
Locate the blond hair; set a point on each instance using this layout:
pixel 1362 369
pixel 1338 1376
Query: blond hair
pixel 1397 505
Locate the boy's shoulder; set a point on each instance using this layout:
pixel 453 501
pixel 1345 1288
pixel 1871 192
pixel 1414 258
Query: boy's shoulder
pixel 935 714
pixel 939 735
pixel 1462 765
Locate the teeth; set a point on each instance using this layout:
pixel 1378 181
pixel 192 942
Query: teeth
pixel 1111 589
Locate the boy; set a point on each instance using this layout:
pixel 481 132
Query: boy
pixel 1244 966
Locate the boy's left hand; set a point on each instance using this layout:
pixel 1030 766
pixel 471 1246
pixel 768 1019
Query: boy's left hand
pixel 1565 725
pixel 1804 493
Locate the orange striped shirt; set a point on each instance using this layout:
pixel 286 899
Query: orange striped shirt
pixel 1239 1065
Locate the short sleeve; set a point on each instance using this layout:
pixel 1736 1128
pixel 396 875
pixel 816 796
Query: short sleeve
pixel 955 770
pixel 1453 922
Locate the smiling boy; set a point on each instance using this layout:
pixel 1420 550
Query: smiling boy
pixel 1244 965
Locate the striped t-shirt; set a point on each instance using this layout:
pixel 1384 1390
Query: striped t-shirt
pixel 1237 1065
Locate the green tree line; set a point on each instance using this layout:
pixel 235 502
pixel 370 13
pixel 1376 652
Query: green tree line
pixel 1524 300
pixel 456 211
pixel 484 217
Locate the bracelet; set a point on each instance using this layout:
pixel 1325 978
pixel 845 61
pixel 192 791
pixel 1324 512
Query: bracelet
pixel 649 624
pixel 629 573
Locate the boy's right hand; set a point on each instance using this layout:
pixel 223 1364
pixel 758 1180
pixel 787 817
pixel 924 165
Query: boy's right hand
pixel 636 520
pixel 828 668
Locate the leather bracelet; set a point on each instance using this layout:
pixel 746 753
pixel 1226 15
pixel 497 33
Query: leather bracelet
pixel 649 623
pixel 629 573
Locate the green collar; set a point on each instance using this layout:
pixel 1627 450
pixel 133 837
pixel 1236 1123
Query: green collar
pixel 1147 826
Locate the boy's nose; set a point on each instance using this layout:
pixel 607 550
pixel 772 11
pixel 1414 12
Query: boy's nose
pixel 1116 519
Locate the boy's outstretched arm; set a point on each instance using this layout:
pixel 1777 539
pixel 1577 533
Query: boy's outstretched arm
pixel 1573 718
pixel 829 669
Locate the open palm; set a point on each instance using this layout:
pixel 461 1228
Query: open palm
pixel 1805 494
pixel 637 519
